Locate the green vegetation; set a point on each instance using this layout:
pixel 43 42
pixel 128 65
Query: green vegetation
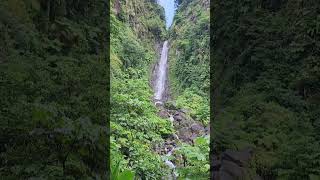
pixel 53 89
pixel 196 105
pixel 197 160
pixel 136 128
pixel 189 78
pixel 189 58
pixel 266 84
pixel 55 82
pixel 137 28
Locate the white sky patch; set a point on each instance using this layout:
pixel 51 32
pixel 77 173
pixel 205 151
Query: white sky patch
pixel 169 9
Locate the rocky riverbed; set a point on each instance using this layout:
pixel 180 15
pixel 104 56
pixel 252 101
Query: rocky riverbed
pixel 187 130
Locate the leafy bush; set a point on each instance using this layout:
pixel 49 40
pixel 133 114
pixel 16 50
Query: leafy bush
pixel 196 159
pixel 197 106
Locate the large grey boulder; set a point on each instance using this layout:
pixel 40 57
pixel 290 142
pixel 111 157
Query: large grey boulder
pixel 197 128
pixel 184 134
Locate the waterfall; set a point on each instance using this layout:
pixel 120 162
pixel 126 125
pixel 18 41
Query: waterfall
pixel 161 78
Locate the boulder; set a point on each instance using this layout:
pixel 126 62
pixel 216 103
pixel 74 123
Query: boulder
pixel 193 136
pixel 232 165
pixel 178 117
pixel 171 118
pixel 158 104
pixel 183 111
pixel 196 128
pixel 184 134
pixel 174 137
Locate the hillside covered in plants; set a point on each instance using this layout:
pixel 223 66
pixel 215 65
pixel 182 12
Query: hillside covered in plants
pixel 266 85
pixel 148 141
pixel 189 57
pixel 137 29
pixel 189 79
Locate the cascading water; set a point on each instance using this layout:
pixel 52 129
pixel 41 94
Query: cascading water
pixel 160 97
pixel 170 164
pixel 161 77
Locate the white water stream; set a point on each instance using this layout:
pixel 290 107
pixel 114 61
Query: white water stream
pixel 159 98
pixel 161 77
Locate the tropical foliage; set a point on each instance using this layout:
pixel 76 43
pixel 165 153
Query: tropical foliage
pixel 136 128
pixel 54 83
pixel 189 78
pixel 196 159
pixel 266 84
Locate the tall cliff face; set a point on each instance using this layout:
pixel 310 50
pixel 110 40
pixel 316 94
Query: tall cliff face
pixel 266 84
pixel 143 22
pixel 145 17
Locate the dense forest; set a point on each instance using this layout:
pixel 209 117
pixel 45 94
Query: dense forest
pixel 139 133
pixel 189 78
pixel 78 94
pixel 266 85
pixel 189 58
pixel 137 28
pixel 54 81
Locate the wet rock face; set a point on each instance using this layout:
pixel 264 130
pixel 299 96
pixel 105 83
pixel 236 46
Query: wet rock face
pixel 232 165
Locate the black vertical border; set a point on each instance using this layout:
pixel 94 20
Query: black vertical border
pixel 211 102
pixel 106 161
pixel 107 58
